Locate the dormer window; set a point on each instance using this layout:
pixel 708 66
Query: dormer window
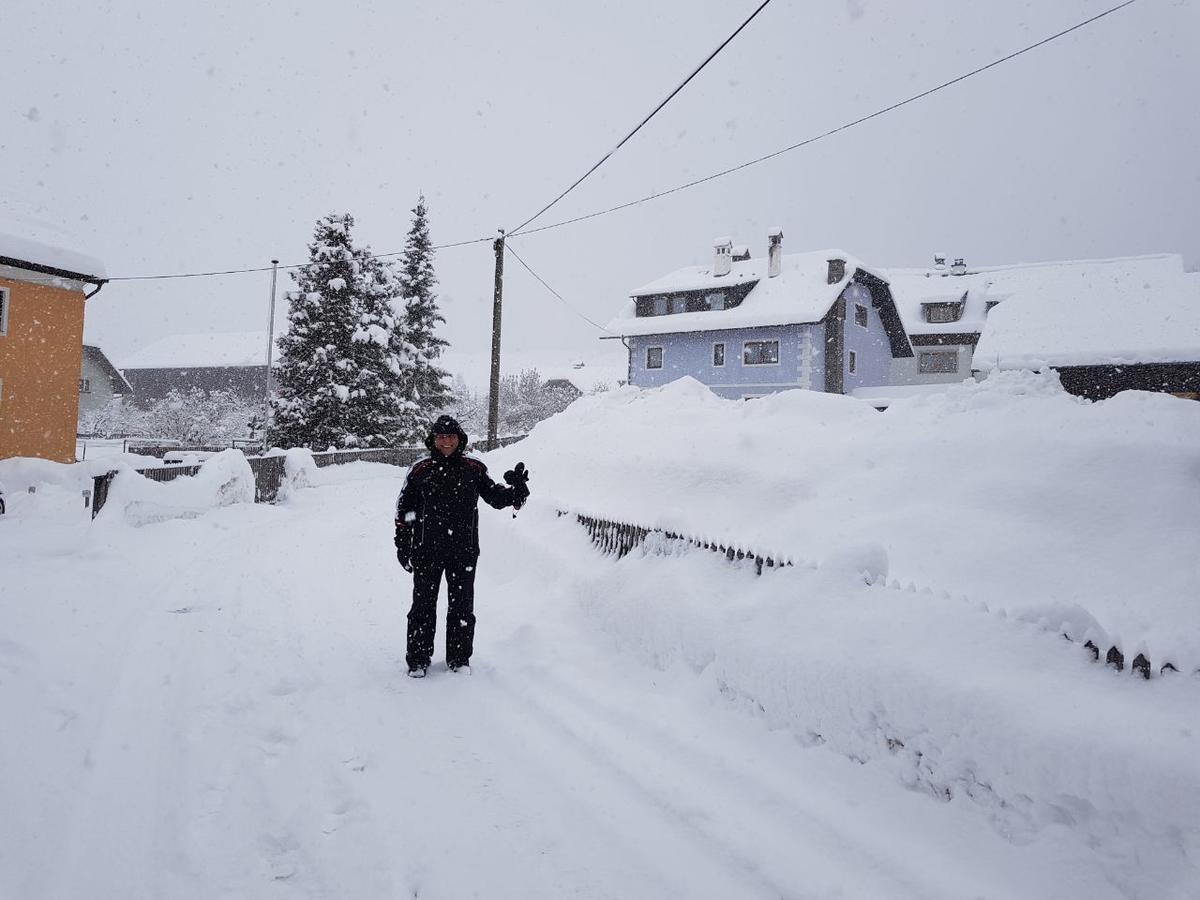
pixel 944 311
pixel 692 301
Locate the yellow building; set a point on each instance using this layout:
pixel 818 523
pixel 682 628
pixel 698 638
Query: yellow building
pixel 42 294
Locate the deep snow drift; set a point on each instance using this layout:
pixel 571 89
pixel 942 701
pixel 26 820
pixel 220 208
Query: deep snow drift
pixel 211 700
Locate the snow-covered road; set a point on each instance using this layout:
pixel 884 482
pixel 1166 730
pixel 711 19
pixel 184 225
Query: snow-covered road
pixel 217 707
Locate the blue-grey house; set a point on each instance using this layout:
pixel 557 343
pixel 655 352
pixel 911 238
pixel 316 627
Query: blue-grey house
pixel 748 327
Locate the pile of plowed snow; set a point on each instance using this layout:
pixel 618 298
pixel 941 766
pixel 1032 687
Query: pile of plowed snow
pixel 1074 515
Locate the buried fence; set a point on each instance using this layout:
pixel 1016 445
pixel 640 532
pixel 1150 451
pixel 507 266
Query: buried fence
pixel 269 470
pixel 620 538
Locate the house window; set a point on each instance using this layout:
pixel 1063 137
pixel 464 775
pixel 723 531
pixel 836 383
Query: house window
pixel 760 353
pixel 938 362
pixel 654 357
pixel 860 315
pixel 3 311
pixel 937 313
pixel 852 362
pixel 85 385
pixel 718 354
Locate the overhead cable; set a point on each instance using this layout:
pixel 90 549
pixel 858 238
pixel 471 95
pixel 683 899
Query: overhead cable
pixel 832 131
pixel 292 266
pixel 508 247
pixel 653 113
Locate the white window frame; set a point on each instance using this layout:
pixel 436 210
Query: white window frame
pixel 661 358
pixel 85 385
pixel 931 353
pixel 757 365
pixel 3 311
pixel 721 364
pixel 866 315
pixel 852 362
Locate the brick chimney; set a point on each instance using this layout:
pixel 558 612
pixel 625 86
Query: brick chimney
pixel 774 252
pixel 837 271
pixel 722 256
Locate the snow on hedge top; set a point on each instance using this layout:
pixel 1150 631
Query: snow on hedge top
pixel 29 240
pixel 1010 491
pixel 799 293
pixel 1144 310
pixel 199 351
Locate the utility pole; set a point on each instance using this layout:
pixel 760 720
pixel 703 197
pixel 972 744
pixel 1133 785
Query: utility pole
pixel 494 395
pixel 270 348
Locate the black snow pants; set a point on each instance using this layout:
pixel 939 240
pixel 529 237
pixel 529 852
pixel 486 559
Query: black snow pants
pixel 460 615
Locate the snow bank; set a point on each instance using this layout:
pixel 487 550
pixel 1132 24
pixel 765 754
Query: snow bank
pixel 223 479
pixel 971 710
pixel 1059 511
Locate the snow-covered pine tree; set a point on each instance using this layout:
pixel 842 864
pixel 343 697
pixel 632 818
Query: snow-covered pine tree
pixel 381 416
pixel 426 384
pixel 337 377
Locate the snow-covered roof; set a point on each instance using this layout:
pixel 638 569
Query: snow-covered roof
pixel 799 293
pixel 1097 312
pixel 199 351
pixel 1049 281
pixel 120 385
pixel 607 363
pixel 27 240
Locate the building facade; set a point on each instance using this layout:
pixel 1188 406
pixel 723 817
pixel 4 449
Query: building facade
pixel 41 347
pixel 746 328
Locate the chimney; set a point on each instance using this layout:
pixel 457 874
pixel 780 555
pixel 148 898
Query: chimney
pixel 723 256
pixel 774 252
pixel 837 271
pixel 939 261
pixel 959 267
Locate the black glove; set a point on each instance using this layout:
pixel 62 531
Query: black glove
pixel 518 480
pixel 404 549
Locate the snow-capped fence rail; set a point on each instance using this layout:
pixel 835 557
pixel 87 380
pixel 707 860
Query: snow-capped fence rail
pixel 620 538
pixel 392 456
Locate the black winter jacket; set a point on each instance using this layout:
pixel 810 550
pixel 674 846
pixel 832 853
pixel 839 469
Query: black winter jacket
pixel 437 513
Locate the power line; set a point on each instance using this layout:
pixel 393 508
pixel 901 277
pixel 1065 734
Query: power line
pixel 653 113
pixel 832 131
pixel 293 266
pixel 508 247
pixel 682 187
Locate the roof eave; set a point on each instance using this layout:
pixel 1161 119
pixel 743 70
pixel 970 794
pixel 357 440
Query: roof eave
pixel 28 266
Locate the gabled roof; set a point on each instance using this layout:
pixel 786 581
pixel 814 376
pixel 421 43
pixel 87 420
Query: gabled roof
pixel 1097 312
pixel 202 351
pixel 120 385
pixel 799 293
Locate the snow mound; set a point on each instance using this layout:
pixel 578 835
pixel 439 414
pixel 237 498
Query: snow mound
pixel 1010 492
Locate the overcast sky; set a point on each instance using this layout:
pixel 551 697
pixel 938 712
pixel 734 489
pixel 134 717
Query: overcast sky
pixel 180 137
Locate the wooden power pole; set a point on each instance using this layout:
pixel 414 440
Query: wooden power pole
pixel 494 394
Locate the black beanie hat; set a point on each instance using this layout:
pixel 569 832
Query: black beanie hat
pixel 447 425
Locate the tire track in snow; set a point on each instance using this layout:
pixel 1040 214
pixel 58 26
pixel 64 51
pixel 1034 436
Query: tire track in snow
pixel 775 848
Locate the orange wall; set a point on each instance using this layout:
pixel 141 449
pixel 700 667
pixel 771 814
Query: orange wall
pixel 40 360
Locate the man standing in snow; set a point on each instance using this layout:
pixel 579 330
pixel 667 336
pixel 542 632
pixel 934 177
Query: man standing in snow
pixel 437 531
